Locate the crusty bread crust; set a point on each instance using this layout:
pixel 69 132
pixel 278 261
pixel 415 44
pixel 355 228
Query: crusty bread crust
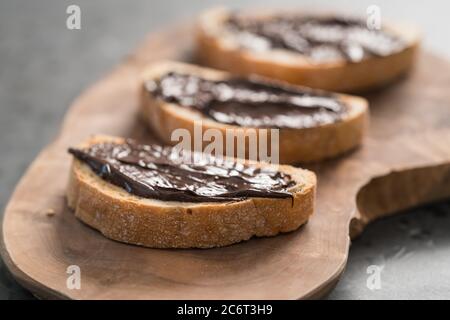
pixel 160 224
pixel 295 145
pixel 216 48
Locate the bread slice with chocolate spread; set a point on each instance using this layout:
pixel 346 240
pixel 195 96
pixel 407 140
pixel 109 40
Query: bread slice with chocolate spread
pixel 134 194
pixel 320 50
pixel 312 125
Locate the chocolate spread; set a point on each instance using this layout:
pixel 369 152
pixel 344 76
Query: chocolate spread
pixel 319 38
pixel 156 172
pixel 250 102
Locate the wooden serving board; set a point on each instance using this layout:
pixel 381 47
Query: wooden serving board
pixel 404 162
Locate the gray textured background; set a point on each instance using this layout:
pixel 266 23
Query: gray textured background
pixel 44 66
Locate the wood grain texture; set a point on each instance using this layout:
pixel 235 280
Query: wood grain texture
pixel 405 162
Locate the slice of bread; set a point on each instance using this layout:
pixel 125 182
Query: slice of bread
pixel 125 217
pixel 217 47
pixel 295 145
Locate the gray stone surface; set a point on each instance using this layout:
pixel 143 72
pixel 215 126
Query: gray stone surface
pixel 44 66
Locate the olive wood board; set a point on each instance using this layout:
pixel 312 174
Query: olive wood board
pixel 404 162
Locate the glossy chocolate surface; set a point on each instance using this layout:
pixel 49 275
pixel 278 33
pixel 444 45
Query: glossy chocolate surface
pixel 250 102
pixel 322 39
pixel 162 173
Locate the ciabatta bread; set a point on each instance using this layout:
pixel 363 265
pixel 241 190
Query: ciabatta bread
pixel 125 217
pixel 217 47
pixel 295 145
